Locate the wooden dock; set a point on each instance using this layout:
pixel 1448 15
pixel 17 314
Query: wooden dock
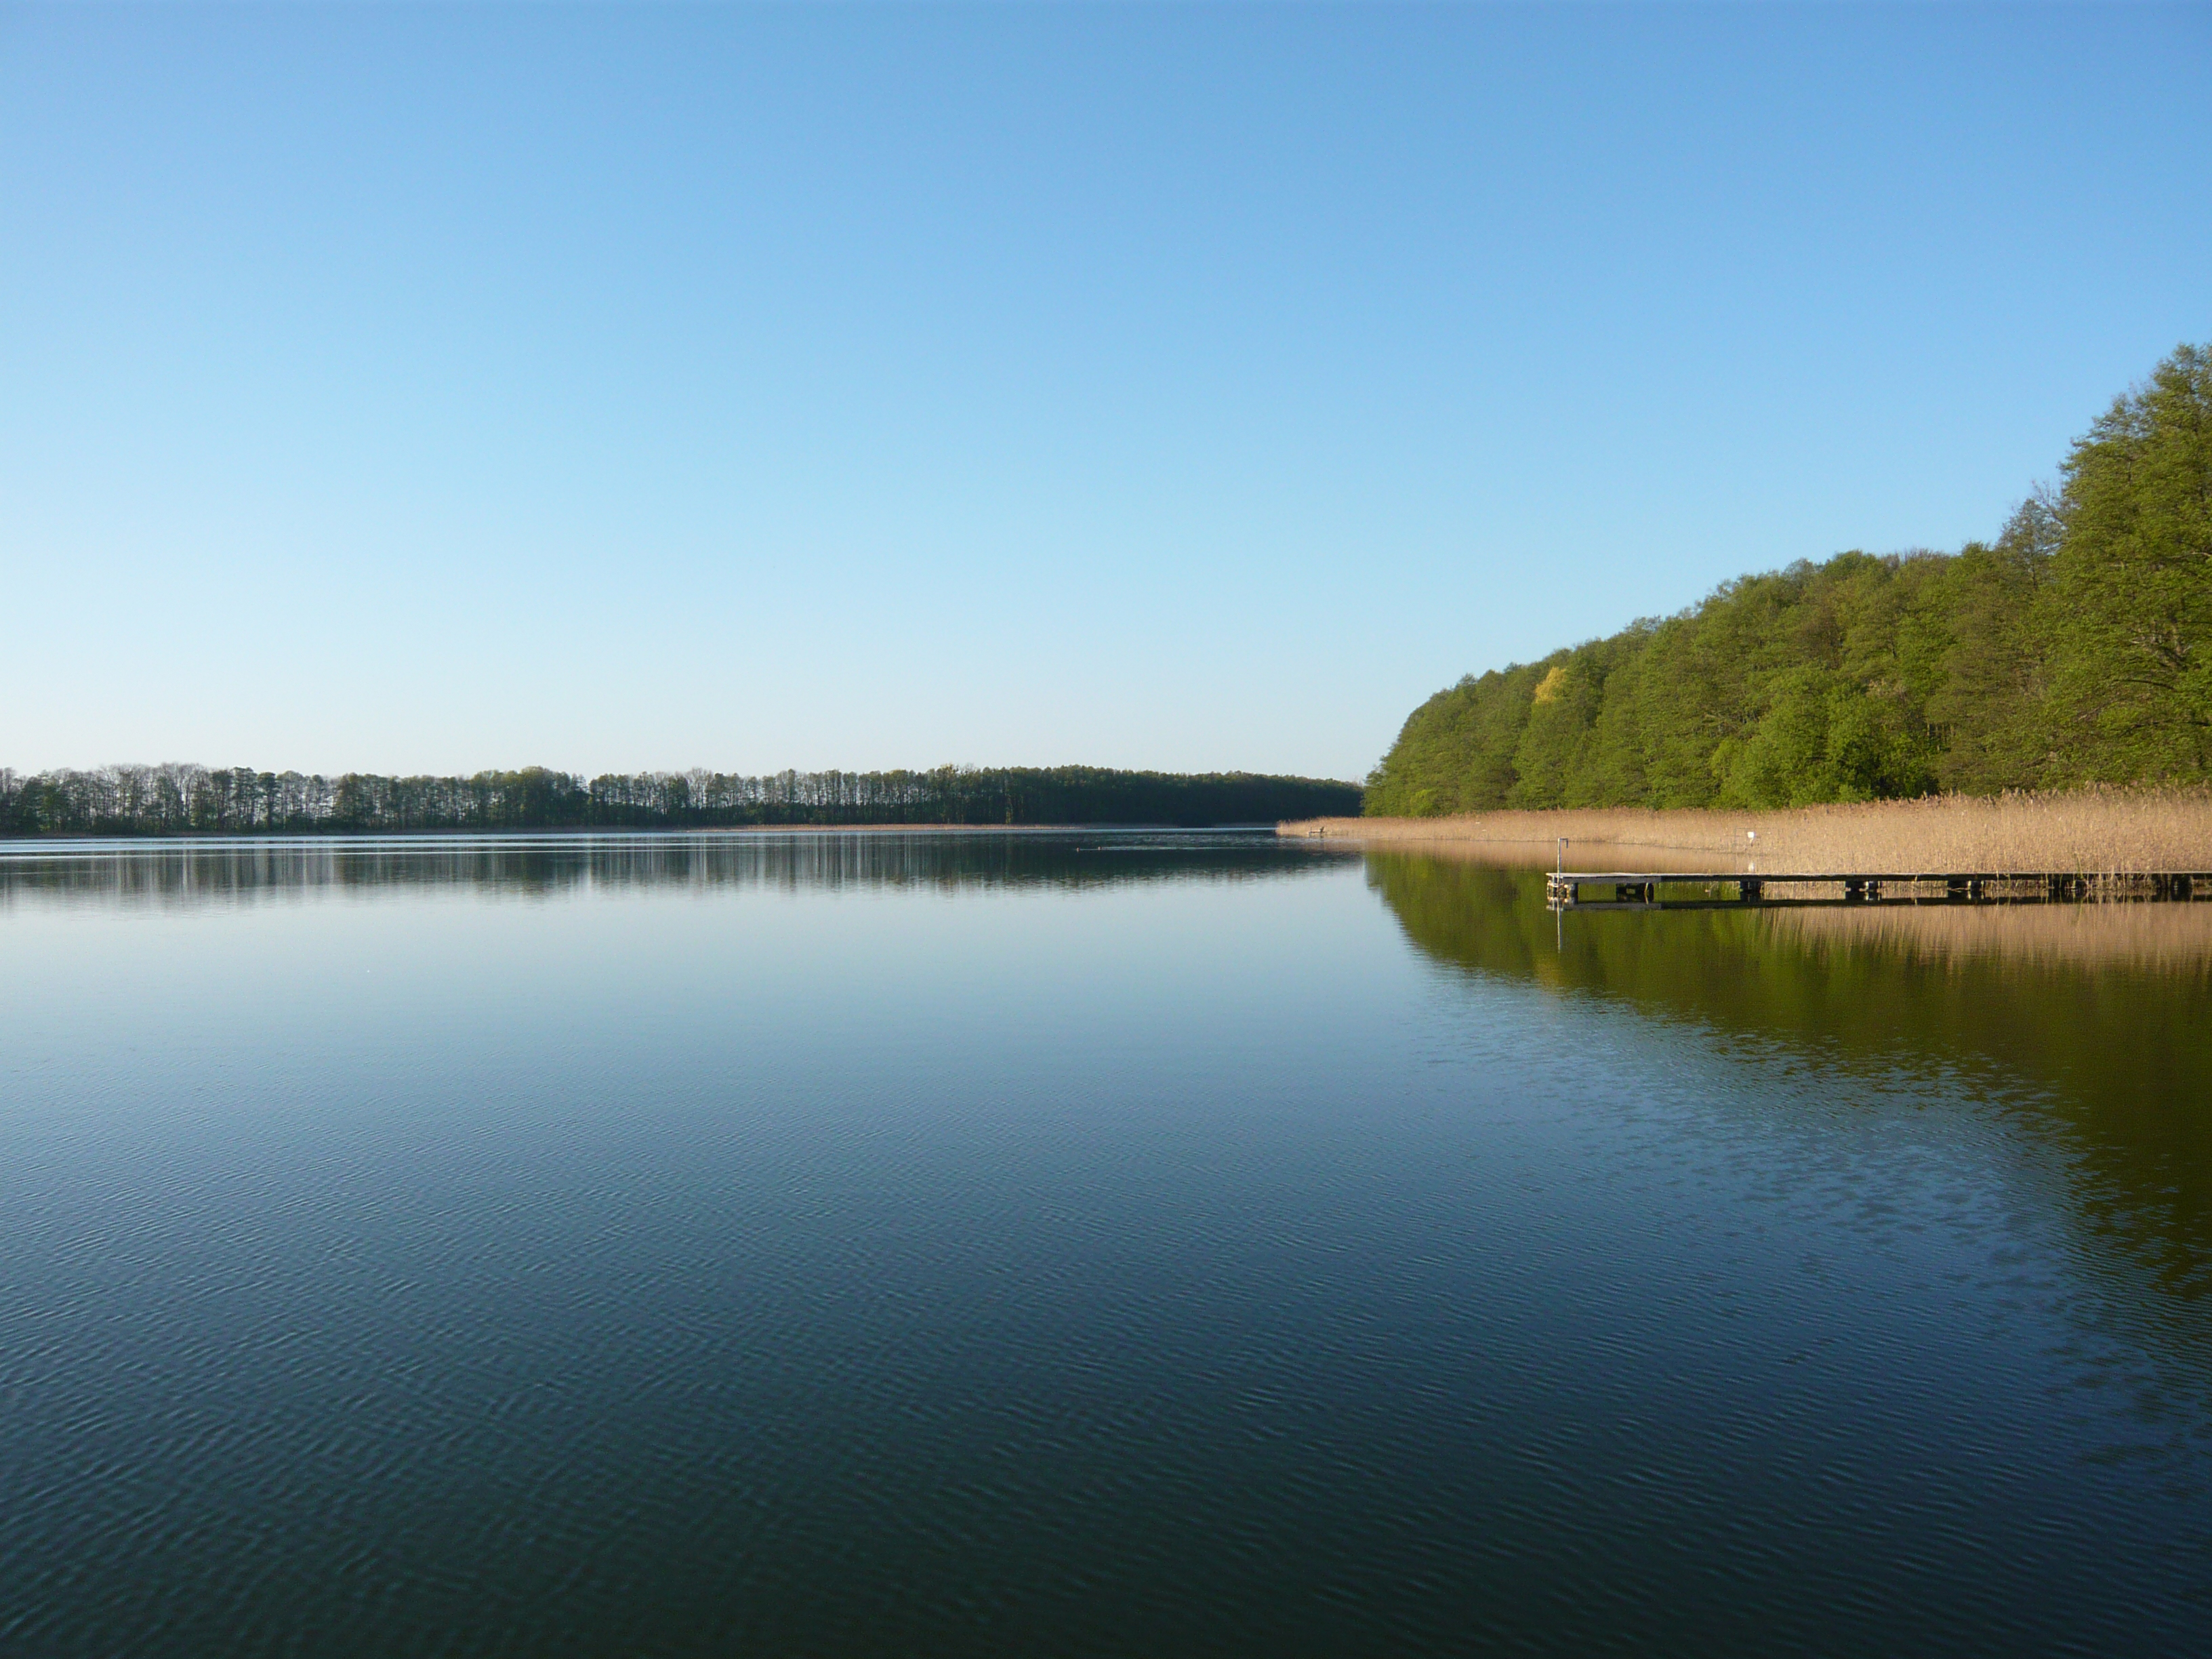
pixel 1673 890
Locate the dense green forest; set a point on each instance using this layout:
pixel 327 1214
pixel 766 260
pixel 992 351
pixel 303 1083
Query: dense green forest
pixel 162 800
pixel 2075 649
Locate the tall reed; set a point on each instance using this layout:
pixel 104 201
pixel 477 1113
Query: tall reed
pixel 2078 832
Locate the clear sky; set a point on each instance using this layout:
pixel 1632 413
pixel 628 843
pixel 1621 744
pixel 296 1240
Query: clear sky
pixel 422 389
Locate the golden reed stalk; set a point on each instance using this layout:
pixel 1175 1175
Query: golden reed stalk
pixel 2087 832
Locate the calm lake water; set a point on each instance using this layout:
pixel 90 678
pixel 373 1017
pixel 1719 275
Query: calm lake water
pixel 1114 1245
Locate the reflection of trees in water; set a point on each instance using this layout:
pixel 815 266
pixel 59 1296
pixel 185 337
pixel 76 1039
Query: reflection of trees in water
pixel 185 873
pixel 2096 1021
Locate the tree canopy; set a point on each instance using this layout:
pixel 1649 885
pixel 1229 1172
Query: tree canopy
pixel 2075 649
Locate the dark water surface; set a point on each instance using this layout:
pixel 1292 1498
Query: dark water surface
pixel 843 1245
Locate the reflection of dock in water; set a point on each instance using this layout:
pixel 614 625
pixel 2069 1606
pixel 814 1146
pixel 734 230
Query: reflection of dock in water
pixel 1674 889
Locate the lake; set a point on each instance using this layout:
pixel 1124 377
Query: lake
pixel 1111 1243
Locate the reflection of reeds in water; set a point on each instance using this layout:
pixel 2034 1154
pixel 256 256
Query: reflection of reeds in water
pixel 2165 939
pixel 2090 832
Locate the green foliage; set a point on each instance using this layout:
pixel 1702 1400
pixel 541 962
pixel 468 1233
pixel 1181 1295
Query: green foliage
pixel 1822 737
pixel 1989 698
pixel 2076 649
pixel 2134 580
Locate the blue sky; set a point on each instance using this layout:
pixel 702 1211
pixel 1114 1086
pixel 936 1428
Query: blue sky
pixel 409 388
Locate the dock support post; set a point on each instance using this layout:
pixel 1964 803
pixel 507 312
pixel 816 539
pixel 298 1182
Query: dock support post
pixel 1640 888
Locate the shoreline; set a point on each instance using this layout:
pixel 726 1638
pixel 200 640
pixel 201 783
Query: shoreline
pixel 2087 832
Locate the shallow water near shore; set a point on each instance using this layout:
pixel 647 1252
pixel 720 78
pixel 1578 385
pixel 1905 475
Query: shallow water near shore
pixel 1085 1244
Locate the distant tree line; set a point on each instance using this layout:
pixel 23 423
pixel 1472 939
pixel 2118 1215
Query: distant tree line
pixel 2075 649
pixel 179 800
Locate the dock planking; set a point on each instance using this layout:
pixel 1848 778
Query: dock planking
pixel 1647 890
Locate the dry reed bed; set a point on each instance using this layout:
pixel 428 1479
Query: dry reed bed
pixel 2086 832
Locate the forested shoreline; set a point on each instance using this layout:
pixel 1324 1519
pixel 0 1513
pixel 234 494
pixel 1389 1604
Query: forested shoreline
pixel 2075 649
pixel 188 799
